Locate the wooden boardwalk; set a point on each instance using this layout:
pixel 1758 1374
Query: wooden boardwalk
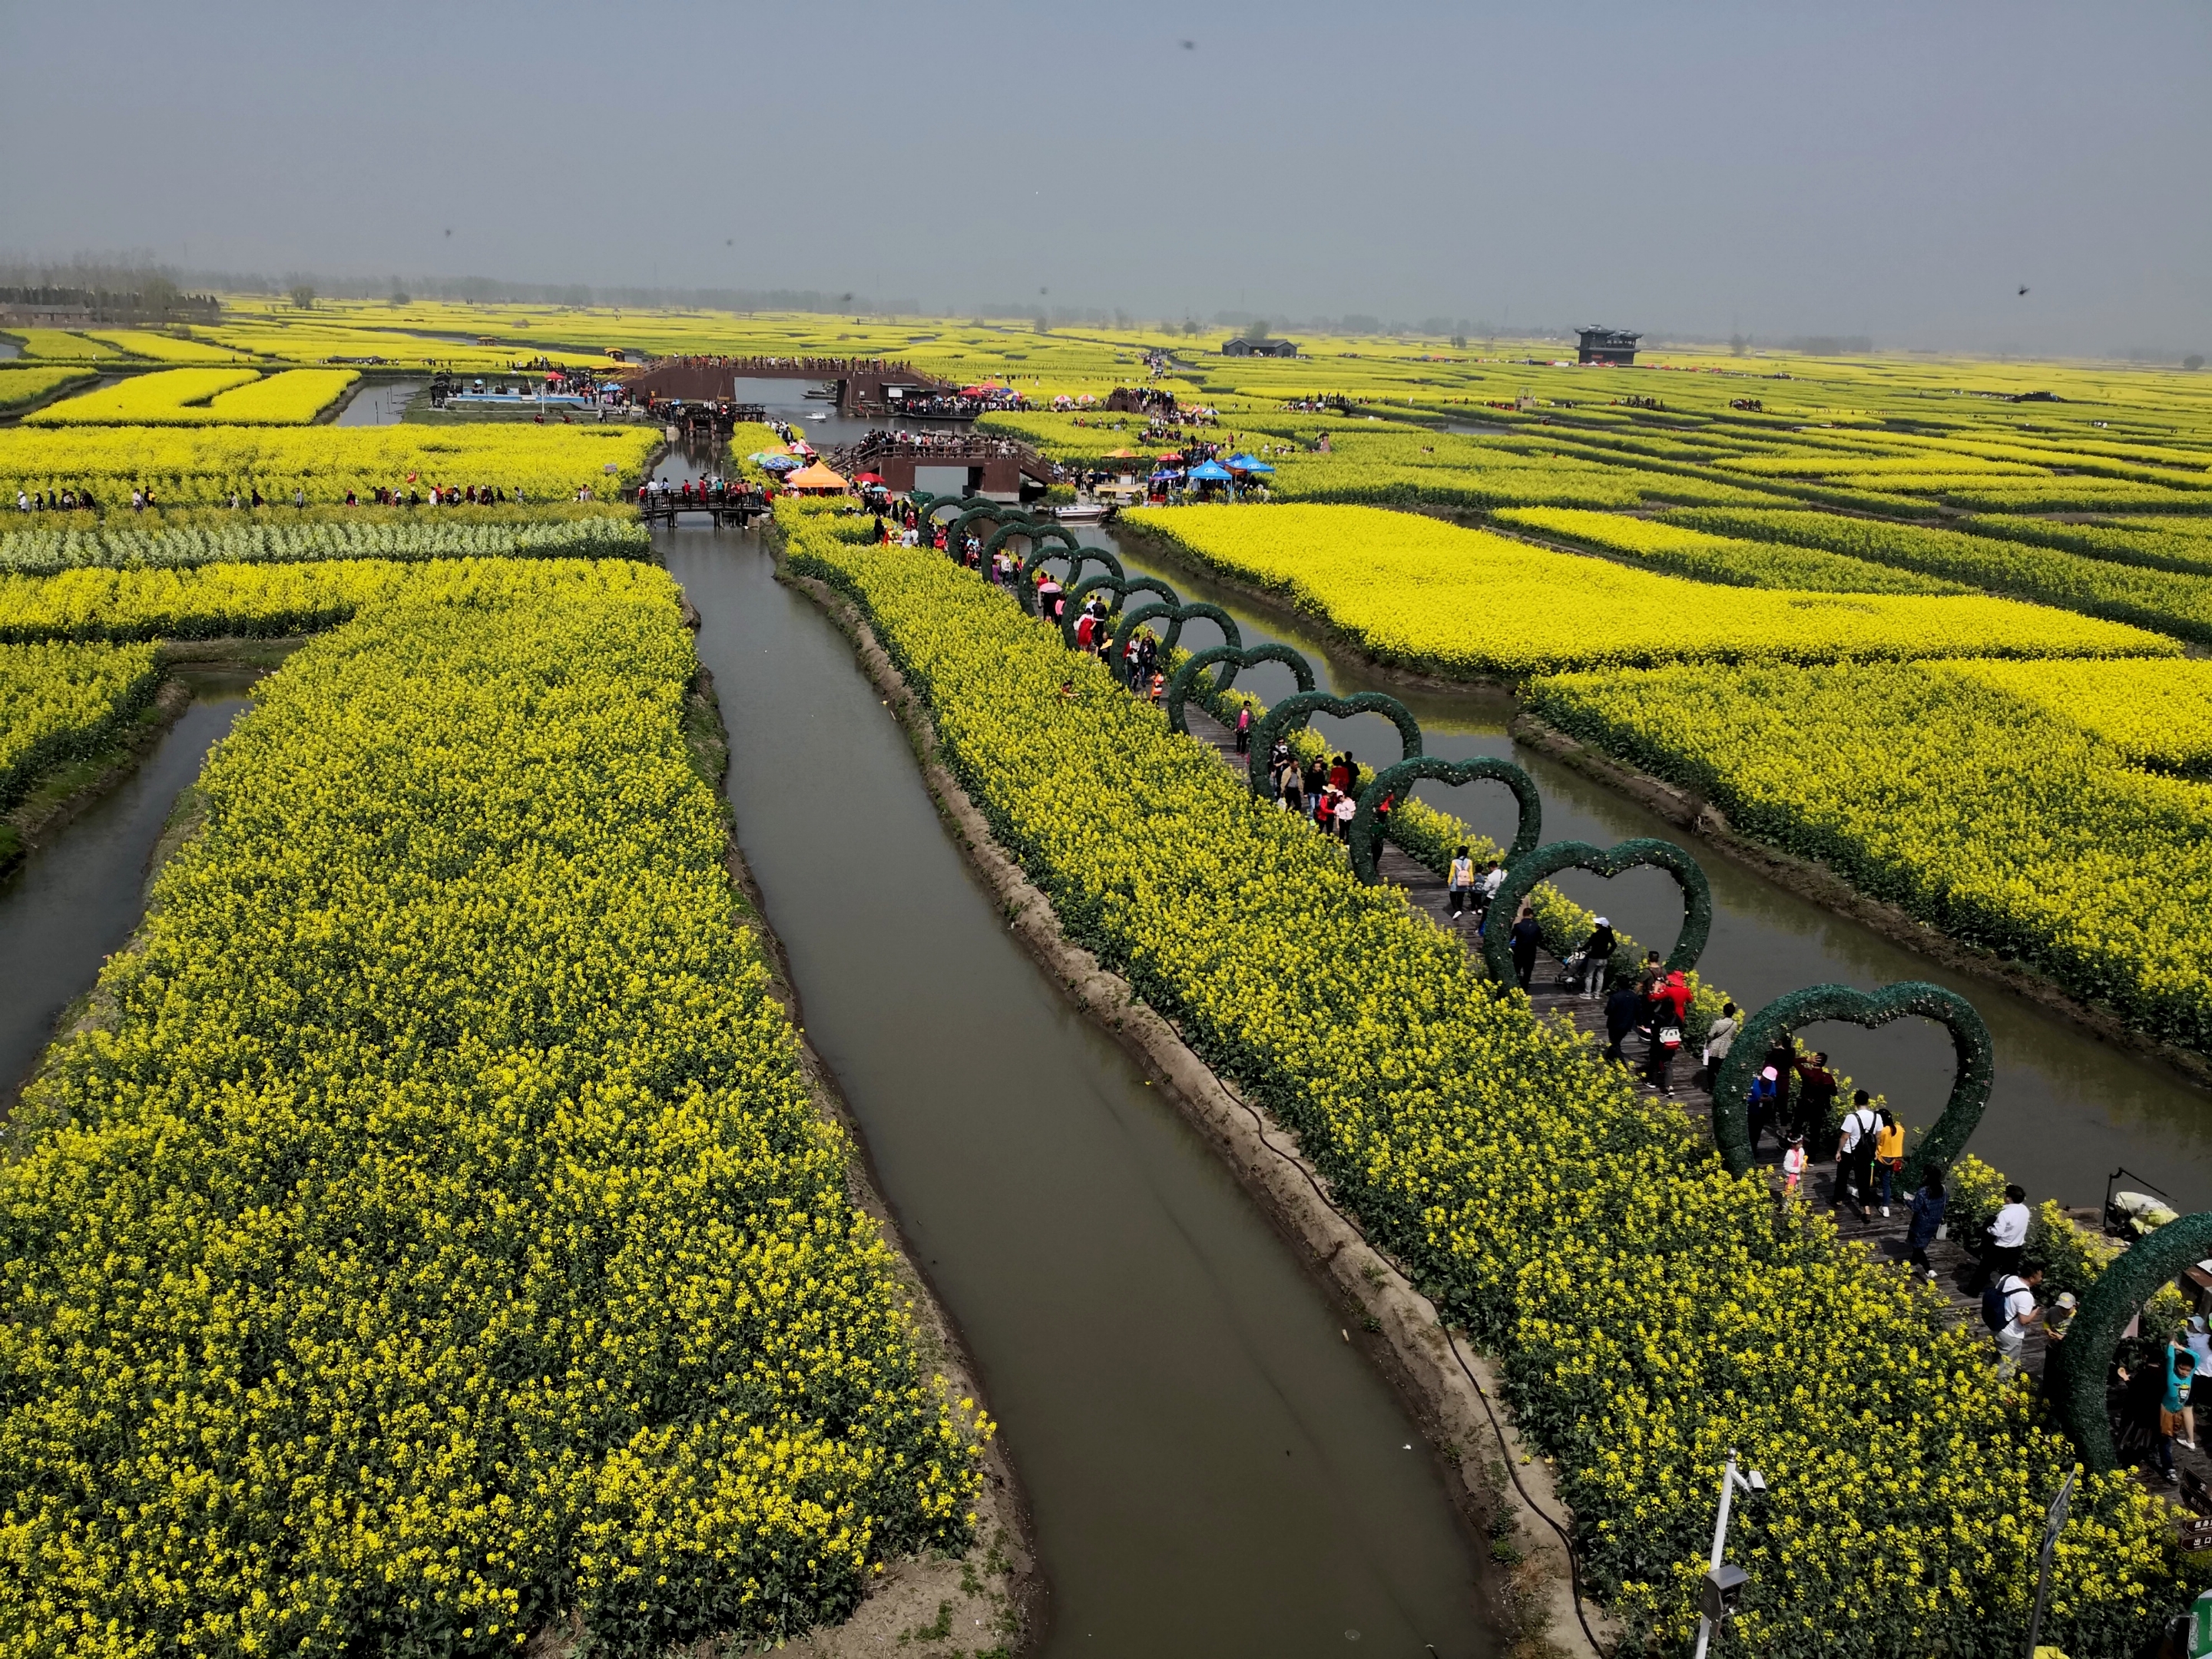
pixel 1882 1236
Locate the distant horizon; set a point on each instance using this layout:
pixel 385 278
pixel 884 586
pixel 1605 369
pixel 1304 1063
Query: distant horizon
pixel 1972 178
pixel 492 291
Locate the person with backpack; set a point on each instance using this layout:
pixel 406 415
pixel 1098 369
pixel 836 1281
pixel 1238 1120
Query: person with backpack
pixel 1459 884
pixel 2173 1411
pixel 1671 1013
pixel 1854 1154
pixel 2006 1240
pixel 2009 1310
pixel 1927 1220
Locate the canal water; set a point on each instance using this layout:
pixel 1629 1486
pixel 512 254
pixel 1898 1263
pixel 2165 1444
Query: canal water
pixel 1211 1466
pixel 2067 1108
pixel 379 403
pixel 73 904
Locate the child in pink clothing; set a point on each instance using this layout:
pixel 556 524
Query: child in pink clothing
pixel 1793 1164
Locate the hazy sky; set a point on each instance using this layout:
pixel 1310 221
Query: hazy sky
pixel 1898 170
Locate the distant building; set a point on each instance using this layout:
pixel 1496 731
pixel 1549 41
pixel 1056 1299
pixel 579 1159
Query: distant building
pixel 1608 345
pixel 1240 346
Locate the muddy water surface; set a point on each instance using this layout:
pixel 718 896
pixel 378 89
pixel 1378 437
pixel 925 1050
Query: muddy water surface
pixel 74 903
pixel 1213 1468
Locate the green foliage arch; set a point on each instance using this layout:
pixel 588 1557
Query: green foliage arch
pixel 1524 873
pixel 2074 1377
pixel 1177 616
pixel 1123 588
pixel 1366 837
pixel 1180 684
pixel 1970 1041
pixel 1300 707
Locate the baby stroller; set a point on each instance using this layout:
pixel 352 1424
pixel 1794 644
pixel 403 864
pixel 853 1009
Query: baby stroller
pixel 1574 972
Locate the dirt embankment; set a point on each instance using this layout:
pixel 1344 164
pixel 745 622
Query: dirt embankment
pixel 982 1602
pixel 1503 1485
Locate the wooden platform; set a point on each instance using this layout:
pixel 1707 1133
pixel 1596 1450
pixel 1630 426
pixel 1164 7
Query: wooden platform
pixel 1882 1236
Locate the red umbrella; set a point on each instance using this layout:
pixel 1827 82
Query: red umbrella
pixel 866 477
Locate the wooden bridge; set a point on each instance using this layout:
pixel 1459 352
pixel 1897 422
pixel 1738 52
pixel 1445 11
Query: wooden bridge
pixel 737 507
pixel 863 383
pixel 996 466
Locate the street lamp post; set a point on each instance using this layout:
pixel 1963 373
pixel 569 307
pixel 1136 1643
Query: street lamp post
pixel 1724 1584
pixel 2054 1522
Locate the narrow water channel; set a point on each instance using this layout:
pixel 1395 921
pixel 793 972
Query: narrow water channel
pixel 1212 1467
pixel 2068 1107
pixel 75 902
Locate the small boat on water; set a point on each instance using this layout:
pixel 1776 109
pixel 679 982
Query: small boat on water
pixel 1083 513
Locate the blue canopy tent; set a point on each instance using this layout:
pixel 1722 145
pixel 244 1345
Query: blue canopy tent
pixel 1249 464
pixel 1212 472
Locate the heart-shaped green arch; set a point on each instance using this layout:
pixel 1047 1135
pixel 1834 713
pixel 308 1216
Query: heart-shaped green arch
pixel 1136 616
pixel 1295 710
pixel 2074 1373
pixel 1079 559
pixel 1229 657
pixel 1366 841
pixel 1969 1040
pixel 997 512
pixel 1523 874
pixel 1038 533
pixel 1123 587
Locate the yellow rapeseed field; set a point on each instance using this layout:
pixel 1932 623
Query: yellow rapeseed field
pixel 1422 594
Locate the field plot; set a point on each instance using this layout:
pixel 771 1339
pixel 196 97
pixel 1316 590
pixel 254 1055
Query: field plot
pixel 19 386
pixel 1417 593
pixel 436 1232
pixel 204 396
pixel 202 466
pixel 2003 803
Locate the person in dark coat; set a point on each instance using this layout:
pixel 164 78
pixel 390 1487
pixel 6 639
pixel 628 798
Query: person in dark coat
pixel 1927 1206
pixel 1526 936
pixel 1622 1010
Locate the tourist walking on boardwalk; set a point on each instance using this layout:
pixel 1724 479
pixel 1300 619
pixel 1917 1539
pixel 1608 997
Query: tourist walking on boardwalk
pixel 2008 1239
pixel 1459 885
pixel 1597 956
pixel 2173 1412
pixel 1927 1206
pixel 1816 1095
pixel 1622 1010
pixel 1759 1110
pixel 1492 879
pixel 1527 935
pixel 1291 786
pixel 1670 1009
pixel 1794 1159
pixel 1720 1037
pixel 1854 1154
pixel 1782 1058
pixel 1888 1155
pixel 1244 728
pixel 1346 810
pixel 2011 1311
